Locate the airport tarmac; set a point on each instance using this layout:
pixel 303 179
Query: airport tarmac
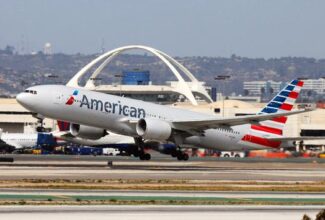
pixel 86 167
pixel 157 212
pixel 222 174
pixel 95 168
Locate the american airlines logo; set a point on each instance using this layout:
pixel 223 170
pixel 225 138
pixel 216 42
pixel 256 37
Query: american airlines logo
pixel 112 107
pixel 71 99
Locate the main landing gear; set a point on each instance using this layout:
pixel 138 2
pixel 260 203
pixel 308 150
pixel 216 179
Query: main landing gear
pixel 180 154
pixel 140 151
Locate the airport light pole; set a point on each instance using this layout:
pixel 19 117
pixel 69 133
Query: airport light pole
pixel 120 76
pixel 222 79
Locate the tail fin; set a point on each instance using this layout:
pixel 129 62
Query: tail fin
pixel 63 126
pixel 282 102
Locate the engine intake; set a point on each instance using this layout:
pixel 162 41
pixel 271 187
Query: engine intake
pixel 152 129
pixel 87 132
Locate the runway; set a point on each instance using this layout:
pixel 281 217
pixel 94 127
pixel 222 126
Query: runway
pixel 163 182
pixel 157 212
pixel 223 171
pixel 155 157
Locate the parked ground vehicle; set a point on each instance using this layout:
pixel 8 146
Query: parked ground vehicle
pixel 236 154
pixel 110 151
pixel 76 150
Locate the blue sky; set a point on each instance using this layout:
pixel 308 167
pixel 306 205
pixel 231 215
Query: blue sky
pixel 250 28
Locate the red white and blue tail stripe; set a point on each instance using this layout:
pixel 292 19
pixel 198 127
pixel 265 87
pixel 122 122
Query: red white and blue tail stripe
pixel 285 99
pixel 63 126
pixel 282 102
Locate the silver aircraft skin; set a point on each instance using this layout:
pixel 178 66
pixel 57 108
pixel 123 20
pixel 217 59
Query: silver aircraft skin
pixel 148 121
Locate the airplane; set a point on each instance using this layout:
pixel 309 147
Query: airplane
pixel 148 121
pixel 12 141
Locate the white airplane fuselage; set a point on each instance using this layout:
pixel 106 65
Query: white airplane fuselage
pixel 119 115
pixel 19 140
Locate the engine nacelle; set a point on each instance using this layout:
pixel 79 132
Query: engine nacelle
pixel 87 132
pixel 152 129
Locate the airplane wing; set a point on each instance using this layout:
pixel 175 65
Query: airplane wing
pixel 301 138
pixel 231 121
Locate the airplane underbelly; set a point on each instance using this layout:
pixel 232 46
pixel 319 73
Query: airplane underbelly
pixel 215 139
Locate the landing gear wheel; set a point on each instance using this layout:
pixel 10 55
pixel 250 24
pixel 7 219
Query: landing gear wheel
pixel 185 157
pixel 141 156
pixel 182 156
pixel 145 156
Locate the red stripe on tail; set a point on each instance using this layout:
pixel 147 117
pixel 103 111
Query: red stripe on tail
pixel 293 95
pixel 286 106
pixel 267 129
pixel 300 83
pixel 282 119
pixel 261 141
pixel 63 126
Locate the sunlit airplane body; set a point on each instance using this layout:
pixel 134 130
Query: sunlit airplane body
pixel 148 121
pixel 12 141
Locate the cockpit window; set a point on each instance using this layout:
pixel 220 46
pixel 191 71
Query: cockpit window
pixel 31 91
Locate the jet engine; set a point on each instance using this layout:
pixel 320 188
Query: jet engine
pixel 87 132
pixel 152 129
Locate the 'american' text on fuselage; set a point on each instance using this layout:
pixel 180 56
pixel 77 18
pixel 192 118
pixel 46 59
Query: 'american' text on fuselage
pixel 111 107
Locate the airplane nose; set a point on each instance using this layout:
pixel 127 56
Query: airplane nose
pixel 19 97
pixel 22 99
